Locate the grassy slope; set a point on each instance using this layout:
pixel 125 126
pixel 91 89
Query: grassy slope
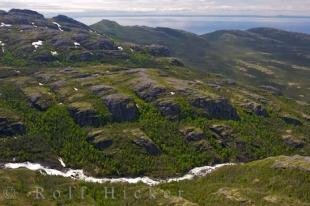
pixel 256 183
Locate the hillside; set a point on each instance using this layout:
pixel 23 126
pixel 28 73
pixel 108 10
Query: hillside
pixel 74 98
pixel 258 57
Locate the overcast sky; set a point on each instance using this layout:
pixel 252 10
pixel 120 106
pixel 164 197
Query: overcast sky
pixel 226 7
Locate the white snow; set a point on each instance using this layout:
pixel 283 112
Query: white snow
pixel 5 25
pixel 33 24
pixel 54 53
pixel 61 162
pixel 172 93
pixel 76 44
pixel 79 174
pixel 76 89
pixel 37 44
pixel 120 48
pixel 59 26
pixel 40 84
pixel 131 50
pixel 2 46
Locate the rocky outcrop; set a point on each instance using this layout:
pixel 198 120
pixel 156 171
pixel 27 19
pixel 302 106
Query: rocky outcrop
pixel 223 133
pixel 192 133
pixel 38 102
pixel 67 22
pixel 218 108
pixel 169 108
pixel 271 89
pixel 291 120
pixel 84 114
pixel 149 90
pixel 101 90
pixel 255 108
pixel 293 141
pixel 158 50
pixel 23 17
pixel 294 162
pixel 57 85
pixel 122 107
pixel 143 141
pixel 99 140
pixel 10 127
pixel 305 116
pixel 175 62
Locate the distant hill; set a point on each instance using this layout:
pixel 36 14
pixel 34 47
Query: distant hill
pixel 259 57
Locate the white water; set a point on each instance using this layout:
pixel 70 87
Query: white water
pixel 79 174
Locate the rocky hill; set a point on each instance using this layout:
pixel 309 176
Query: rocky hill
pixel 28 37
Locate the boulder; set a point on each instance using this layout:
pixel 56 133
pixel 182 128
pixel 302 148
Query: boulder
pixel 255 108
pixel 293 141
pixel 10 127
pixel 122 107
pixel 99 140
pixel 291 120
pixel 169 108
pixel 192 133
pixel 84 114
pixel 218 108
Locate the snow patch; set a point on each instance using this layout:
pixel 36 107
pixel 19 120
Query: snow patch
pixel 40 84
pixel 172 93
pixel 5 25
pixel 2 46
pixel 37 44
pixel 76 44
pixel 33 24
pixel 76 89
pixel 79 174
pixel 61 162
pixel 120 48
pixel 58 25
pixel 54 53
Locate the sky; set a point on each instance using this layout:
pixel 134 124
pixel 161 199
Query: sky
pixel 158 7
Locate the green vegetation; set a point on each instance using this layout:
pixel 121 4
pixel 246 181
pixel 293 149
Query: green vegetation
pixel 256 183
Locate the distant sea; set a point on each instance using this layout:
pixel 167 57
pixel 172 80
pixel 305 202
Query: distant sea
pixel 206 24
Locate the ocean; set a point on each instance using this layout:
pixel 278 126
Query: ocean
pixel 206 24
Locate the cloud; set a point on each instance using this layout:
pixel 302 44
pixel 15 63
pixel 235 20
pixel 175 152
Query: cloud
pixel 264 7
